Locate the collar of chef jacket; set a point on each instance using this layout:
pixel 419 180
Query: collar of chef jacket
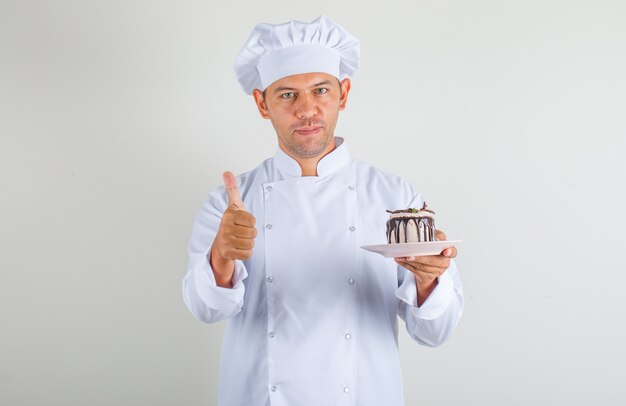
pixel 287 167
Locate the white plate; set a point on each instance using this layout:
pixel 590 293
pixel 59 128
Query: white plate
pixel 411 248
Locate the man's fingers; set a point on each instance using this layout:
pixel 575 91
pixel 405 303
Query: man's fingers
pixel 243 232
pixel 242 254
pixel 440 235
pixel 233 215
pixel 449 252
pixel 442 265
pixel 421 267
pixel 243 218
pixel 234 199
pixel 242 243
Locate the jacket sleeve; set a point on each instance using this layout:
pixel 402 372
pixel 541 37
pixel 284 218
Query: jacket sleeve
pixel 207 301
pixel 434 321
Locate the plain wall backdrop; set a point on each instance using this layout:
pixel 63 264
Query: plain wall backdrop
pixel 118 117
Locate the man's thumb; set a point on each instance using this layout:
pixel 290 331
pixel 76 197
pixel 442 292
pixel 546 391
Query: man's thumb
pixel 234 199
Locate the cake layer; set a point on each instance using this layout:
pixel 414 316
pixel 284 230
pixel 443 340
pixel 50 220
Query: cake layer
pixel 410 229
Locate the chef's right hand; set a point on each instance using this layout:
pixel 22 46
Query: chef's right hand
pixel 235 237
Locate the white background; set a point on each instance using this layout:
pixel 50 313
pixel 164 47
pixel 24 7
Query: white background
pixel 118 117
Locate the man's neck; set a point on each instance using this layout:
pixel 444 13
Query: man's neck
pixel 309 165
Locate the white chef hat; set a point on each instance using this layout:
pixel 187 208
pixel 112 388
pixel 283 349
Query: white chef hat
pixel 273 52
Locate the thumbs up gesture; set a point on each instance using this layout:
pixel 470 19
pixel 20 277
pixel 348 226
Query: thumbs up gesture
pixel 235 237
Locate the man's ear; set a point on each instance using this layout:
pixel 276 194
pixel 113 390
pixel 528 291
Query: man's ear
pixel 259 99
pixel 345 89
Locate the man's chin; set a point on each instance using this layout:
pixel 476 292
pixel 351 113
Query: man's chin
pixel 307 147
pixel 313 152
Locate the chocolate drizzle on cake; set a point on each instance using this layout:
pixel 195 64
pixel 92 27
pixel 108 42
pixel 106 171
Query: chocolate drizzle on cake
pixel 412 225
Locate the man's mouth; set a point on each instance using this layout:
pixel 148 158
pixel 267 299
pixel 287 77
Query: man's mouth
pixel 308 130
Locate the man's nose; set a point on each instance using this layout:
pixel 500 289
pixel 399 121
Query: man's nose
pixel 306 107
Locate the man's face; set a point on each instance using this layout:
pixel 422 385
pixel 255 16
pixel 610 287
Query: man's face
pixel 304 109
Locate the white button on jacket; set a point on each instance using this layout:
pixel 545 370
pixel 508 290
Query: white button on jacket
pixel 288 345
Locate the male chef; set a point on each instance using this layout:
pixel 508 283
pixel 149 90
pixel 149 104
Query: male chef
pixel 312 317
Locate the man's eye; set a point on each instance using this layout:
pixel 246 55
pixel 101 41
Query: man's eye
pixel 287 95
pixel 321 90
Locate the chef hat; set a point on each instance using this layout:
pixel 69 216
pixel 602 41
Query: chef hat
pixel 273 52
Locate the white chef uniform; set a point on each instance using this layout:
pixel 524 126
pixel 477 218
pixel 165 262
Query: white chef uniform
pixel 312 317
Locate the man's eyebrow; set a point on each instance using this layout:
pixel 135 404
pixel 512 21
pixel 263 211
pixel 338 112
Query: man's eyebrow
pixel 326 82
pixel 283 88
